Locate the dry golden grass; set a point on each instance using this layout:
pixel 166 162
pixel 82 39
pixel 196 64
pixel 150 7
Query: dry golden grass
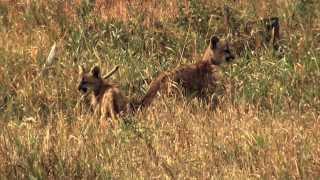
pixel 230 143
pixel 267 125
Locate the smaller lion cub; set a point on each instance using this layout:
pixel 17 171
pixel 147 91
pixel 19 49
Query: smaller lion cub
pixel 107 99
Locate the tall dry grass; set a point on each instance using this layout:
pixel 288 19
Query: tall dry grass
pixel 266 125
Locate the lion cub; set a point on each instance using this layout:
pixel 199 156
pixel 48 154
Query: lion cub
pixel 199 76
pixel 107 99
pixel 252 34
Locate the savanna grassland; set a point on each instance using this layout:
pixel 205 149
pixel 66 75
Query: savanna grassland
pixel 265 126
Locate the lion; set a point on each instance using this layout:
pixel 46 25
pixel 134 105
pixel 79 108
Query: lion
pixel 252 34
pixel 107 99
pixel 194 77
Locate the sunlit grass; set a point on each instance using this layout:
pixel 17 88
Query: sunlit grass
pixel 266 125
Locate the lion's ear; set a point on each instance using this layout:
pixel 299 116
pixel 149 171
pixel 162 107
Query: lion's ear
pixel 214 42
pixel 96 71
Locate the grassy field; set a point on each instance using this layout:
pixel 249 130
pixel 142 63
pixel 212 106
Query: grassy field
pixel 266 125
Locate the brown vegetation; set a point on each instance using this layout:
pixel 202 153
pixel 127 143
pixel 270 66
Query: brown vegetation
pixel 266 125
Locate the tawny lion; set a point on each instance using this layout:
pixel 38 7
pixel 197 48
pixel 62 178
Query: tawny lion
pixel 199 76
pixel 107 99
